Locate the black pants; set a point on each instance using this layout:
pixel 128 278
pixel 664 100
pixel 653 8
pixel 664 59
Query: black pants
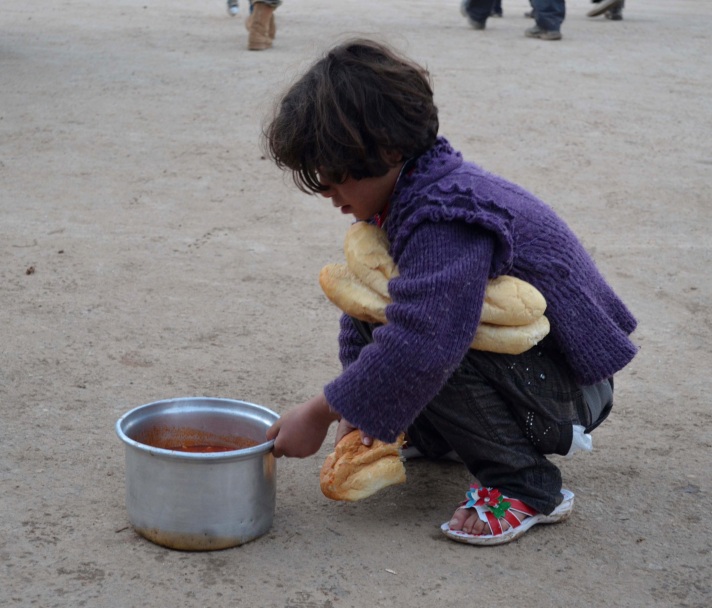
pixel 503 413
pixel 479 10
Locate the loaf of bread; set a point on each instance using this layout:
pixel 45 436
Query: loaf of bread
pixel 354 471
pixel 351 295
pixel 366 251
pixel 511 301
pixel 508 300
pixel 510 339
pixel 512 318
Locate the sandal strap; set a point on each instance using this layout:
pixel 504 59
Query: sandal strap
pixel 518 505
pixel 493 522
pixel 491 507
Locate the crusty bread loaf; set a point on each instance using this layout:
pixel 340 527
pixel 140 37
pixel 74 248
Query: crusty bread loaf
pixel 355 299
pixel 367 256
pixel 512 318
pixel 511 301
pixel 508 300
pixel 509 339
pixel 351 295
pixel 354 471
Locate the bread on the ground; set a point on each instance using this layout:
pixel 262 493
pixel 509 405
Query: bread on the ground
pixel 354 471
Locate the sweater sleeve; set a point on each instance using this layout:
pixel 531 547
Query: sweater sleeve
pixel 350 341
pixel 437 302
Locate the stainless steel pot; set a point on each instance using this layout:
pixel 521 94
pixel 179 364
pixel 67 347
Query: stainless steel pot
pixel 199 501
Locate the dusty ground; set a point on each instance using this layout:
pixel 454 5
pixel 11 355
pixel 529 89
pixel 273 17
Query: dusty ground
pixel 169 259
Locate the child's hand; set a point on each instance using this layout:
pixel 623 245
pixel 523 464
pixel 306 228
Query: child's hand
pixel 301 431
pixel 345 427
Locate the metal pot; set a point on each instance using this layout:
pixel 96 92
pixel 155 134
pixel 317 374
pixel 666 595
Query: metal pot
pixel 218 494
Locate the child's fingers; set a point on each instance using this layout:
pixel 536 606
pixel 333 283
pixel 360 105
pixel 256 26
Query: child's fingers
pixel 343 429
pixel 273 431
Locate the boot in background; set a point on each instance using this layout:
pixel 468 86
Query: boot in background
pixel 261 26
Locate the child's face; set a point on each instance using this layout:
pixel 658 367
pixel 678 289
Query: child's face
pixel 362 198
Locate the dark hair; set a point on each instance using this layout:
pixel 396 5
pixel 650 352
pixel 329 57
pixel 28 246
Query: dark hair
pixel 353 106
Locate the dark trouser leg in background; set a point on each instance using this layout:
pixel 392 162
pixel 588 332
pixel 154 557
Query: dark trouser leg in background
pixel 476 11
pixel 549 14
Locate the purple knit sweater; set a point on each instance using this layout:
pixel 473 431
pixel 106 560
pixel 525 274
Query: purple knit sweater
pixel 452 226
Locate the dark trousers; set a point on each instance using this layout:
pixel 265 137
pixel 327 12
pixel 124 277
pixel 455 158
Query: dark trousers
pixel 549 14
pixel 478 10
pixel 502 414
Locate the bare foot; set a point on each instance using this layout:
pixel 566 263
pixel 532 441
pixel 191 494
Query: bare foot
pixel 467 520
pixel 506 519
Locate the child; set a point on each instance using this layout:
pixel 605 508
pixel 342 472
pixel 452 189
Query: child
pixel 361 129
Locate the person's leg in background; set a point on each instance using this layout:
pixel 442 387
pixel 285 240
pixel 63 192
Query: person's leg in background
pixel 549 15
pixel 233 7
pixel 476 12
pixel 612 9
pixel 261 24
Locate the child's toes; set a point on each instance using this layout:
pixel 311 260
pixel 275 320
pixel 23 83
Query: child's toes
pixel 467 521
pixel 458 519
pixel 473 524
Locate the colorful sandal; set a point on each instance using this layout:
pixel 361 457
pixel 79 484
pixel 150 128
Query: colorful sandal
pixel 491 507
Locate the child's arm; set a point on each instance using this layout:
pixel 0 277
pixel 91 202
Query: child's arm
pixel 350 341
pixel 437 302
pixel 301 431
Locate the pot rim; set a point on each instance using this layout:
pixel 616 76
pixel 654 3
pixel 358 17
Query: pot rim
pixel 208 457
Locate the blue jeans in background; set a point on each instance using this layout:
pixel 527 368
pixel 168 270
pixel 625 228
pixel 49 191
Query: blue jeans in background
pixel 549 14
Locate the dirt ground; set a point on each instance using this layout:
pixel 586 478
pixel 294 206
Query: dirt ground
pixel 148 250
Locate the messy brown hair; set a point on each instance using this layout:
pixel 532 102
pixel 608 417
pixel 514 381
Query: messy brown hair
pixel 356 104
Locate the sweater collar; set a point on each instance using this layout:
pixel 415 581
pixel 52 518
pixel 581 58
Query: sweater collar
pixel 429 167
